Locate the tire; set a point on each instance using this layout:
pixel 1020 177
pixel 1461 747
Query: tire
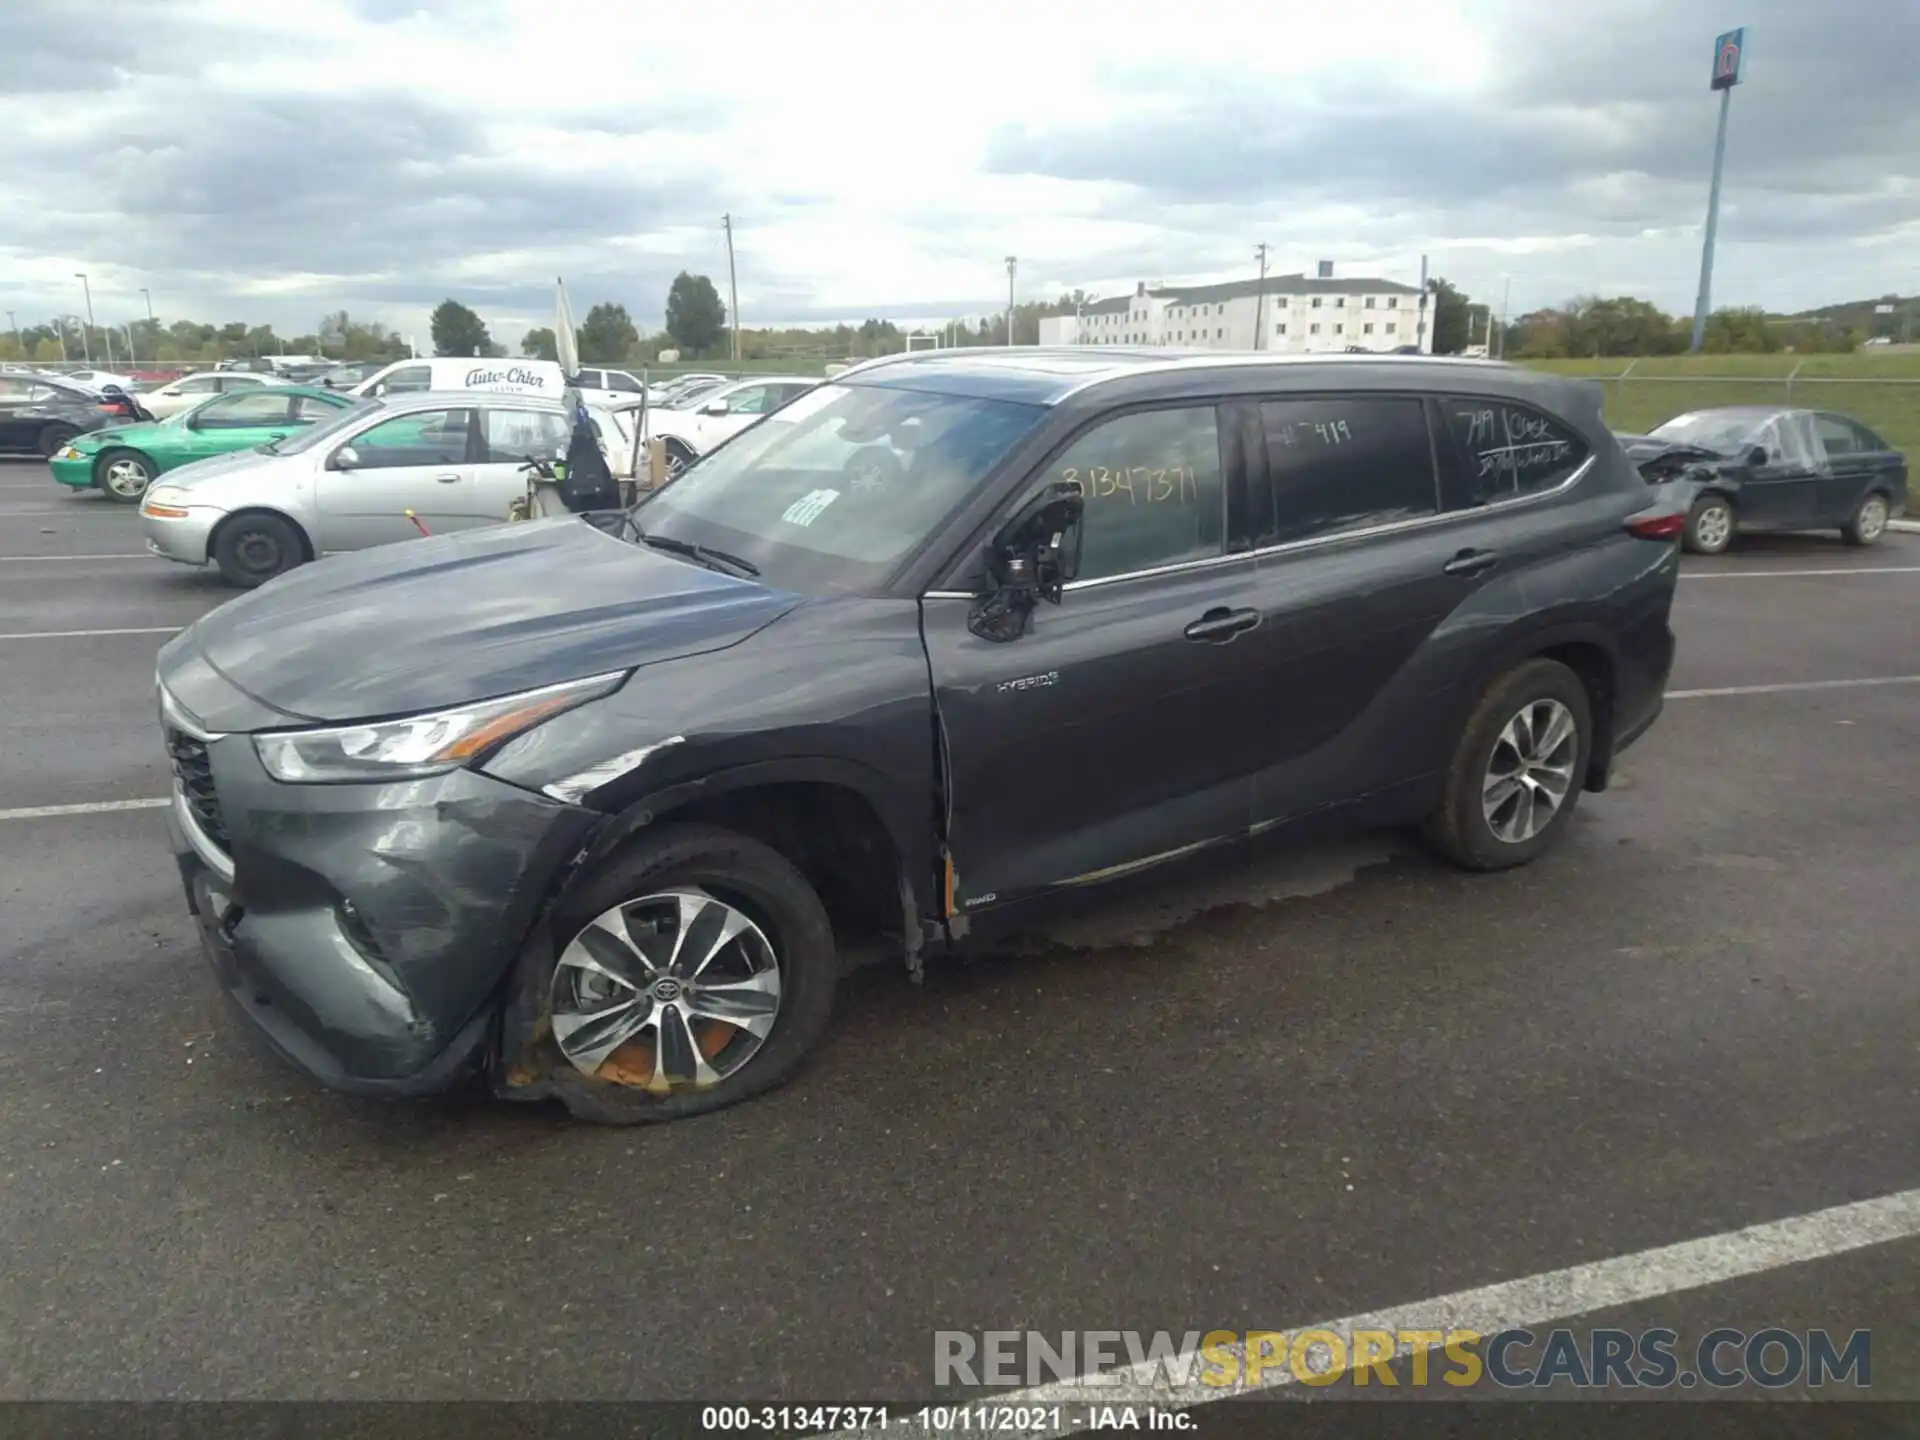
pixel 1460 828
pixel 52 438
pixel 1869 520
pixel 255 546
pixel 123 475
pixel 1710 525
pixel 678 458
pixel 743 875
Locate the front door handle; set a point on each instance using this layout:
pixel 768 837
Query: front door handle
pixel 1471 562
pixel 448 479
pixel 1220 625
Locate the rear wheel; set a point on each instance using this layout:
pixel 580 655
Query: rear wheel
pixel 251 549
pixel 1709 525
pixel 1868 521
pixel 696 968
pixel 123 475
pixel 1517 771
pixel 53 438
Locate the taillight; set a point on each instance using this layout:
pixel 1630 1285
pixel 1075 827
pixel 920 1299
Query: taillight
pixel 1657 524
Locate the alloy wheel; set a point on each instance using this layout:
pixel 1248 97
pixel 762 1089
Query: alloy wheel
pixel 127 478
pixel 1530 773
pixel 1714 528
pixel 1872 519
pixel 674 990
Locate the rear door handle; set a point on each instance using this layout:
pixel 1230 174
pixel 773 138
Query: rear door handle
pixel 1471 562
pixel 448 479
pixel 1220 625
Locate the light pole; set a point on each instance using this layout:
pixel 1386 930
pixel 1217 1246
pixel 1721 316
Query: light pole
pixel 1010 268
pixel 147 295
pixel 1260 299
pixel 1727 52
pixel 18 343
pixel 86 345
pixel 1506 296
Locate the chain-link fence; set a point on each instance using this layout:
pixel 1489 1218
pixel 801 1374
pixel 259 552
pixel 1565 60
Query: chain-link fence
pixel 1636 403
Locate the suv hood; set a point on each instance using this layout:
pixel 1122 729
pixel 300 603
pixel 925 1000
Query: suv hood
pixel 426 624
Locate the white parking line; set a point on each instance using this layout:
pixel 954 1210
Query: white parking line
pixel 7 513
pixel 84 634
pixel 1780 574
pixel 46 559
pixel 1553 1295
pixel 98 807
pixel 1794 685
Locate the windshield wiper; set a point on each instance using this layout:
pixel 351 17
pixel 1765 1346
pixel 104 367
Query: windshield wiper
pixel 712 559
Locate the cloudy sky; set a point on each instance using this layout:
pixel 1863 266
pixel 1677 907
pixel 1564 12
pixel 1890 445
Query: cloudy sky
pixel 245 159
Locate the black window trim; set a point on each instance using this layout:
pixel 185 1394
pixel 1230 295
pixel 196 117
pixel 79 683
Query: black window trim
pixel 1233 477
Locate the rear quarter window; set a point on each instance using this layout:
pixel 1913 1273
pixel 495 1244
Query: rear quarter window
pixel 1503 450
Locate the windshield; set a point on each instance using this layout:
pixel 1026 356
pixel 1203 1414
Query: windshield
pixel 325 430
pixel 684 397
pixel 832 492
pixel 1727 431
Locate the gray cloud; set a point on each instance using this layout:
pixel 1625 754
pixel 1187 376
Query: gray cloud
pixel 1599 123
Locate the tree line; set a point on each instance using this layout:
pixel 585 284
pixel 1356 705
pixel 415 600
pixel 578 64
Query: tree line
pixel 697 328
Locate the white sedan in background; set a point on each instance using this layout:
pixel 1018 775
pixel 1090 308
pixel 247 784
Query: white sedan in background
pixel 189 390
pixel 719 415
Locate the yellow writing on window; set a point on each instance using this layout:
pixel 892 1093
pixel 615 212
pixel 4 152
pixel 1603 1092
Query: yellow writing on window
pixel 1140 484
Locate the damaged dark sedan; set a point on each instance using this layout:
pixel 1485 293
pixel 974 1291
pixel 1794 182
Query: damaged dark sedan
pixel 1759 467
pixel 599 807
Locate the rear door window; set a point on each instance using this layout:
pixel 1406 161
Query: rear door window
pixel 1344 463
pixel 1500 450
pixel 512 436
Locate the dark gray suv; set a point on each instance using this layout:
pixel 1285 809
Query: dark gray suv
pixel 599 809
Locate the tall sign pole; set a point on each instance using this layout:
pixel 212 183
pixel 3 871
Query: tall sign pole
pixel 1728 52
pixel 733 289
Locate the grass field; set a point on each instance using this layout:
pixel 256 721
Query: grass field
pixel 1880 390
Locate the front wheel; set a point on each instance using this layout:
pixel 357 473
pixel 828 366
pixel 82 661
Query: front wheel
pixel 123 475
pixel 1868 521
pixel 679 457
pixel 1518 770
pixel 696 968
pixel 251 549
pixel 1709 525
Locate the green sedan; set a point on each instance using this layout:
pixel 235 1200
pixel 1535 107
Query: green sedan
pixel 122 461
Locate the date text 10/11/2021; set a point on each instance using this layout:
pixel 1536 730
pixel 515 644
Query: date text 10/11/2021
pixel 980 1418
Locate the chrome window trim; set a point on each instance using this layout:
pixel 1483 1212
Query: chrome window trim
pixel 1313 542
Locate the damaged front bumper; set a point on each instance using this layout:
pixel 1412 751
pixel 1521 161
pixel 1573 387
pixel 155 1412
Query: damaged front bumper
pixel 364 930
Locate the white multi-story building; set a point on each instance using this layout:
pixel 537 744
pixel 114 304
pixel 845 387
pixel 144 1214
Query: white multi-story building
pixel 1289 315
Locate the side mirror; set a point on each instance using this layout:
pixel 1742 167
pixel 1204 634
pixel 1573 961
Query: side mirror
pixel 1757 456
pixel 1034 557
pixel 345 458
pixel 379 389
pixel 714 407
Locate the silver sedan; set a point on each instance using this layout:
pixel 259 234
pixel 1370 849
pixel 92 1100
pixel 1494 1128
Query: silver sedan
pixel 383 470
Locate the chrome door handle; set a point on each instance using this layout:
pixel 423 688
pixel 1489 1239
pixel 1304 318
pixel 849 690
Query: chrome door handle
pixel 1220 625
pixel 1471 562
pixel 448 479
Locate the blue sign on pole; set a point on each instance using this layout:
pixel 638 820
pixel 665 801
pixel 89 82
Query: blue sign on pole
pixel 1727 53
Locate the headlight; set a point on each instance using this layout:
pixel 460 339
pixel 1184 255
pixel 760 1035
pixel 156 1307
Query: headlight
pixel 420 744
pixel 71 452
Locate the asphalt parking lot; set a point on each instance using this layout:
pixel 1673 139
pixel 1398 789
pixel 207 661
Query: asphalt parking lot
pixel 1337 1081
